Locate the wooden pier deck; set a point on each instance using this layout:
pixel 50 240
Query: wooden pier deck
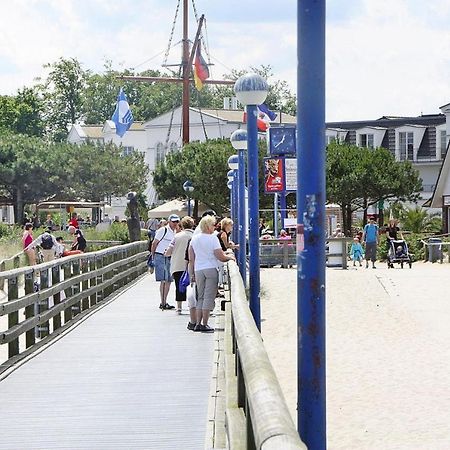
pixel 129 376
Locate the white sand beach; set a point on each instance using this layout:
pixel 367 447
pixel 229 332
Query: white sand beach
pixel 388 353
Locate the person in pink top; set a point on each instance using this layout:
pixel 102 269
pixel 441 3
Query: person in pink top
pixel 27 239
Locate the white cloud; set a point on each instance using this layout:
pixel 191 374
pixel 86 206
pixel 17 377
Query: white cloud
pixel 388 58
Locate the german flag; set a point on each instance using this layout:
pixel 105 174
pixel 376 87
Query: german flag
pixel 201 71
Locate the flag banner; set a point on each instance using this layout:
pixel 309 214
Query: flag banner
pixel 260 122
pixel 201 71
pixel 268 112
pixel 122 117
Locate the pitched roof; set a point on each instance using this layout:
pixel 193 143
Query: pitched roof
pixel 391 122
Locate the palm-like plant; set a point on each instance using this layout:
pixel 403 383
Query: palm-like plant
pixel 417 220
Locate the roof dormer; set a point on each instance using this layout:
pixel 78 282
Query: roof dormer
pixel 407 141
pixel 370 137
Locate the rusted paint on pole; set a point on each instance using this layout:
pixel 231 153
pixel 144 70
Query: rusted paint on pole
pixel 311 219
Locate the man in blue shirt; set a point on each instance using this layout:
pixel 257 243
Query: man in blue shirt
pixel 370 238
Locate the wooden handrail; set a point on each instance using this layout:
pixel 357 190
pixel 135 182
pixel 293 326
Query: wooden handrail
pixel 268 423
pixel 77 283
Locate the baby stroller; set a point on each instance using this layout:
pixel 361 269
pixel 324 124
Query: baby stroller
pixel 398 253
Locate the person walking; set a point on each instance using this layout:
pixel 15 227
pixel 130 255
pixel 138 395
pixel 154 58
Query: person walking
pixel 163 237
pixel 27 239
pixel 47 242
pixel 205 254
pixel 79 242
pixel 370 238
pixel 178 252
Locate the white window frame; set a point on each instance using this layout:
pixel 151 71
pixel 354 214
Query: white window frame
pixel 406 145
pixel 127 150
pixel 160 152
pixel 366 140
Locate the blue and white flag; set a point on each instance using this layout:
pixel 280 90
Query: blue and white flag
pixel 268 112
pixel 122 117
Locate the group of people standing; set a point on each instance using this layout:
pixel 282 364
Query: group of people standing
pixel 52 247
pixel 177 248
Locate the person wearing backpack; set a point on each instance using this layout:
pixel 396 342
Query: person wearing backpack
pixel 160 244
pixel 48 243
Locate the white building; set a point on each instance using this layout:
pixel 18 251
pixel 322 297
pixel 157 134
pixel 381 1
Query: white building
pixel 163 134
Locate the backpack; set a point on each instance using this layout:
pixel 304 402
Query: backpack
pixel 47 241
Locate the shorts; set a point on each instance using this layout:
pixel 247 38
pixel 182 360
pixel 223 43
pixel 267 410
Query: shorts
pixel 162 268
pixel 371 251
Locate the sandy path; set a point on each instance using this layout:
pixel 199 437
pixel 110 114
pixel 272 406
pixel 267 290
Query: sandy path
pixel 388 358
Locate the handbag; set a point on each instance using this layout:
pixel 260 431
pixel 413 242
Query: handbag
pixel 184 281
pixel 150 264
pixel 191 296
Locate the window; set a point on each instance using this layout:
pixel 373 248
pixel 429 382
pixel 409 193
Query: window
pixel 127 150
pixel 331 139
pixel 160 152
pixel 366 140
pixel 443 139
pixel 173 147
pixel 406 146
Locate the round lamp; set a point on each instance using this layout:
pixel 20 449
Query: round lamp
pixel 251 89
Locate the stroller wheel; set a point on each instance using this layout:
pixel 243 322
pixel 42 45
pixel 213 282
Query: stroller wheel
pixel 401 265
pixel 410 265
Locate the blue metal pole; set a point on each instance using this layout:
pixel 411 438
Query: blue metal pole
pixel 189 206
pixel 253 207
pixel 283 207
pixel 242 238
pixel 235 205
pixel 311 195
pixel 275 215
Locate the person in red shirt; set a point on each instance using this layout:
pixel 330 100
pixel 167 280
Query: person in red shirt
pixel 74 221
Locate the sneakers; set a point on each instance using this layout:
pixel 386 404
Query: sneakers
pixel 367 265
pixel 179 311
pixel 166 306
pixel 203 328
pixel 191 326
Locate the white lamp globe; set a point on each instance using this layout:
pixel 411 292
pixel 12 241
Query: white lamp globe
pixel 251 89
pixel 238 139
pixel 233 162
pixel 230 175
pixel 230 185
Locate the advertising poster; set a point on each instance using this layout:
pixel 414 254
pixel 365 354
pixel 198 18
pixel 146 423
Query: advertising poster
pixel 273 175
pixel 290 167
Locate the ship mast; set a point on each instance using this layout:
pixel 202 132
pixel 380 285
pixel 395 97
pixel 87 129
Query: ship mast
pixel 186 64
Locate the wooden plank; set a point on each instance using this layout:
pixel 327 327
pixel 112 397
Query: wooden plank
pixel 130 376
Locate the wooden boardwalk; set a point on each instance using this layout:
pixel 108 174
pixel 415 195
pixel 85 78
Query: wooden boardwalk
pixel 129 376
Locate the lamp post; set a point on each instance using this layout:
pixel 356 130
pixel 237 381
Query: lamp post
pixel 239 142
pixel 251 90
pixel 188 188
pixel 311 404
pixel 232 186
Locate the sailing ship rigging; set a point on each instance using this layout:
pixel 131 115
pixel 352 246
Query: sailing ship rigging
pixel 186 75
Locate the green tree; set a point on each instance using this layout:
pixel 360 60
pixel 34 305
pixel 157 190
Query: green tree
pixel 359 177
pixel 206 165
pixel 30 170
pixel 63 96
pixel 22 113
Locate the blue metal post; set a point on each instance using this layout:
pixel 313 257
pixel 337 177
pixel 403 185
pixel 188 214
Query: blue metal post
pixel 234 214
pixel 188 205
pixel 283 209
pixel 311 196
pixel 242 238
pixel 253 207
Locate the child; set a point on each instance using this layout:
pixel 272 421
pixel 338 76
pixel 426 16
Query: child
pixel 399 252
pixel 356 251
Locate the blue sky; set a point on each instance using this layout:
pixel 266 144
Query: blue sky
pixel 384 57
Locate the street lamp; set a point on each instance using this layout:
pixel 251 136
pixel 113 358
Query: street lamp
pixel 251 90
pixel 232 186
pixel 239 142
pixel 189 189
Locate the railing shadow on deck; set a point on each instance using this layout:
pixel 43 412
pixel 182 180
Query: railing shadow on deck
pixel 50 296
pixel 256 414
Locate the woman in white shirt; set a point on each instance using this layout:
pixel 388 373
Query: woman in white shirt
pixel 204 256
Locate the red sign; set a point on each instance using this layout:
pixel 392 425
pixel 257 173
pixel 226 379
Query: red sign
pixel 273 175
